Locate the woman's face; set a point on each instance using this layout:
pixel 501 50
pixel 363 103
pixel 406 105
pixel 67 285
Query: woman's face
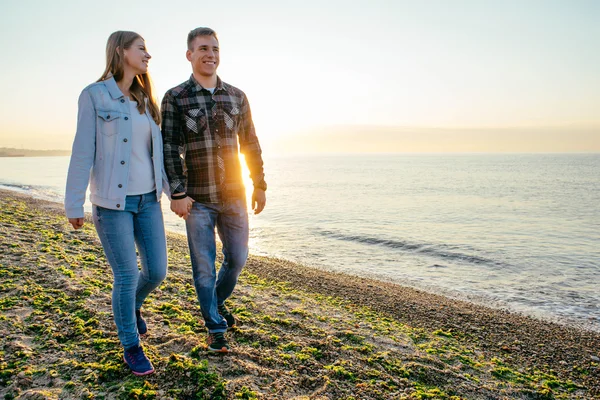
pixel 136 57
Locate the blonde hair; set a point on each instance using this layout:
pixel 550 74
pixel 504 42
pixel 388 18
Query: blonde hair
pixel 141 88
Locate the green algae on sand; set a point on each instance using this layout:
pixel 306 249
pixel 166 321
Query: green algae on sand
pixel 57 338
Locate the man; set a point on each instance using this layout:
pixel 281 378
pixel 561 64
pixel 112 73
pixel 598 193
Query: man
pixel 202 121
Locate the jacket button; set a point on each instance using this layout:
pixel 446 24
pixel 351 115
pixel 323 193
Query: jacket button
pixel 120 186
pixel 118 206
pixel 108 117
pixel 125 140
pixel 126 118
pixel 122 100
pixel 122 162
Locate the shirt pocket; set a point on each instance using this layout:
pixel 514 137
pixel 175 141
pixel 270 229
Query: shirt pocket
pixel 231 116
pixel 108 122
pixel 196 121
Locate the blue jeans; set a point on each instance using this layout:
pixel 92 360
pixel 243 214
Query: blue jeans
pixel 141 224
pixel 231 220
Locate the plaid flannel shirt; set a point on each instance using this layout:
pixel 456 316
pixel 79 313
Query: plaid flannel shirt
pixel 199 128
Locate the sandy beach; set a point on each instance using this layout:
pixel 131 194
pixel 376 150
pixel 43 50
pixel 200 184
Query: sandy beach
pixel 306 333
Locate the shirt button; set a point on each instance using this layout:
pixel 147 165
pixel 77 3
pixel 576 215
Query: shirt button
pixel 126 118
pixel 122 162
pixel 120 186
pixel 108 117
pixel 125 140
pixel 118 206
pixel 122 100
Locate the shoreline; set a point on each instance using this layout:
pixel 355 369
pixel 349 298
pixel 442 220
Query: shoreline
pixel 475 300
pixel 519 341
pixel 590 324
pixel 486 303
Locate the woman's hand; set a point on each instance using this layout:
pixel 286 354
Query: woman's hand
pixel 76 222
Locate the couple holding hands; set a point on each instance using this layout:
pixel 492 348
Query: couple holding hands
pixel 130 152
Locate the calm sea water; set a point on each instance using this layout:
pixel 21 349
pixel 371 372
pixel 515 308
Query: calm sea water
pixel 514 231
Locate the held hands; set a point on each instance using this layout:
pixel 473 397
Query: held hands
pixel 76 222
pixel 182 207
pixel 259 200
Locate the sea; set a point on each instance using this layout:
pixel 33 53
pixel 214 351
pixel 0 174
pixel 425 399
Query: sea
pixel 512 231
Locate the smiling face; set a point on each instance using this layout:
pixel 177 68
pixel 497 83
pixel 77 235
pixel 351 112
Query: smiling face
pixel 136 57
pixel 204 56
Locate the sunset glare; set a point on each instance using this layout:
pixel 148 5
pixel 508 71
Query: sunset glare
pixel 480 75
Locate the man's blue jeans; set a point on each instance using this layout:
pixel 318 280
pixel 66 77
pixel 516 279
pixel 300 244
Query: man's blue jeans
pixel 231 220
pixel 141 224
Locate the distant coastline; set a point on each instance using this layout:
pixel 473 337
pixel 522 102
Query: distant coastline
pixel 12 152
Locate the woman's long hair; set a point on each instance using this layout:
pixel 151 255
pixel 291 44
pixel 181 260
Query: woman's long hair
pixel 141 88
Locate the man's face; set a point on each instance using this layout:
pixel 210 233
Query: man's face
pixel 204 55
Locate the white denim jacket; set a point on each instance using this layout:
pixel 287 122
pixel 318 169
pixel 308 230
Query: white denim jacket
pixel 103 145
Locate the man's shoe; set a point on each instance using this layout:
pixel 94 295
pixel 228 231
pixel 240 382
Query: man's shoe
pixel 137 361
pixel 141 323
pixel 231 321
pixel 217 343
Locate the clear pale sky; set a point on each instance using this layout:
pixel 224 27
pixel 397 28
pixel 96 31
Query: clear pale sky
pixel 421 75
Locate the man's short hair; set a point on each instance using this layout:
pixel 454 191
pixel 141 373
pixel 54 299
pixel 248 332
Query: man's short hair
pixel 202 31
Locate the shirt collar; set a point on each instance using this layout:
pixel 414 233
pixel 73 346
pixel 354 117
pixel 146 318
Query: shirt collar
pixel 198 87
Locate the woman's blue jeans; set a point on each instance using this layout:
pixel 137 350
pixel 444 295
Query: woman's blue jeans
pixel 231 220
pixel 139 224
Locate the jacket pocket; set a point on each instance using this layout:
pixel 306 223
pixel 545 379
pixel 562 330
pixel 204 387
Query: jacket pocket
pixel 108 122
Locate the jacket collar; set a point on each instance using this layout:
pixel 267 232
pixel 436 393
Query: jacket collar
pixel 113 89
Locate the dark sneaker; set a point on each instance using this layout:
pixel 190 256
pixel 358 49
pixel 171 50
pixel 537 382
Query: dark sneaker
pixel 141 323
pixel 231 321
pixel 216 342
pixel 137 361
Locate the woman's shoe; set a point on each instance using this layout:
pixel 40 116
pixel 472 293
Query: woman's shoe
pixel 137 361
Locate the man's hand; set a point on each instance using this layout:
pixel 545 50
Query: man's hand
pixel 259 200
pixel 76 222
pixel 182 207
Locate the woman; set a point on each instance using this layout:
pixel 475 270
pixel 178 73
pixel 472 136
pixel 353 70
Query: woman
pixel 119 140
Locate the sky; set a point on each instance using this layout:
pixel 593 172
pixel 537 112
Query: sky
pixel 331 76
